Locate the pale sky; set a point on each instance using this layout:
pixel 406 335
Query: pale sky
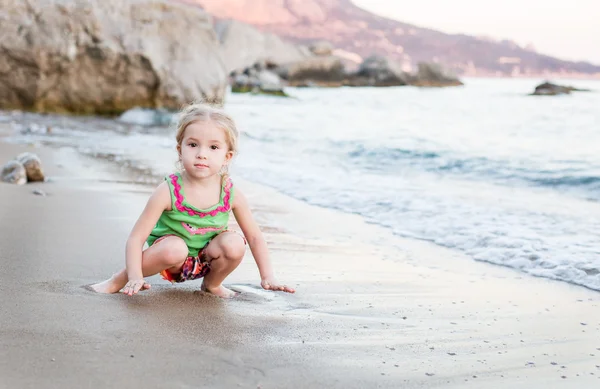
pixel 564 29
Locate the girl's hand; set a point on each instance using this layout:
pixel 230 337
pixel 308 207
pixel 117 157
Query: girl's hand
pixel 271 283
pixel 134 286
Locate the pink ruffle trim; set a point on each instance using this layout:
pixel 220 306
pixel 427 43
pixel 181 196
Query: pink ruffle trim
pixel 182 208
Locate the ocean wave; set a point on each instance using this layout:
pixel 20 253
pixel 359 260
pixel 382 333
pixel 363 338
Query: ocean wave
pixel 445 162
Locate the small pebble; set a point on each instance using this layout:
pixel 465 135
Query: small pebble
pixel 452 354
pixel 131 355
pixel 53 359
pixel 39 192
pixel 429 374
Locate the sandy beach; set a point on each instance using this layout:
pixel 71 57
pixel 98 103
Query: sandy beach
pixel 371 310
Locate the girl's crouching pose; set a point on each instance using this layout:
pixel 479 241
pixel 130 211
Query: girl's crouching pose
pixel 185 220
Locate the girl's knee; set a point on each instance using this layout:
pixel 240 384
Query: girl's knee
pixel 175 251
pixel 232 246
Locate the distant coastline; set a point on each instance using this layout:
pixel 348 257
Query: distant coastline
pixel 362 33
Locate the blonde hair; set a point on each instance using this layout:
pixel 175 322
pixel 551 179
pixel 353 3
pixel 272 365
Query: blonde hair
pixel 206 113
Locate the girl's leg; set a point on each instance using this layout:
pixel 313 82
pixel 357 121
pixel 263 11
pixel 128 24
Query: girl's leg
pixel 169 253
pixel 225 253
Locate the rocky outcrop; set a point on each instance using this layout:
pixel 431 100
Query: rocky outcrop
pixel 242 46
pixel 322 71
pixel 378 71
pixel 381 71
pixel 26 167
pixel 433 75
pixel 257 79
pixel 106 56
pixel 550 89
pixel 329 71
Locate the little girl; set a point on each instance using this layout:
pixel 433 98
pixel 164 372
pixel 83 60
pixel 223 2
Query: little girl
pixel 185 220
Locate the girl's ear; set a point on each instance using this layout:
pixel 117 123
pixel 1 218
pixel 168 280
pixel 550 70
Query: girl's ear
pixel 228 156
pixel 179 150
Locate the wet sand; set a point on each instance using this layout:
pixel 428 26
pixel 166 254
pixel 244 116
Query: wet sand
pixel 371 310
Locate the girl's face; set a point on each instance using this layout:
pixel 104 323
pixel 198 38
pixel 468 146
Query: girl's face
pixel 204 149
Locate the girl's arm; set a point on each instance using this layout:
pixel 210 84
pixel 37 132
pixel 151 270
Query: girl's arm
pixel 257 243
pixel 158 202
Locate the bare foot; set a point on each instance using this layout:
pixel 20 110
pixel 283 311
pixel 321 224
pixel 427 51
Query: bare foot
pixel 112 285
pixel 220 291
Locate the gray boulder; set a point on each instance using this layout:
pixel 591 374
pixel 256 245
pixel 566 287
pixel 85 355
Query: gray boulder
pixel 433 75
pixel 550 89
pixel 378 71
pixel 243 46
pixel 322 71
pixel 106 56
pixel 258 81
pixel 32 165
pixel 14 172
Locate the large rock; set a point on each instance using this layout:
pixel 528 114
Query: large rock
pixel 378 71
pixel 432 74
pixel 14 172
pixel 33 166
pixel 550 89
pixel 258 80
pixel 326 70
pixel 106 56
pixel 243 46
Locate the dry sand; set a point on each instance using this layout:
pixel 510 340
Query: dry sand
pixel 365 315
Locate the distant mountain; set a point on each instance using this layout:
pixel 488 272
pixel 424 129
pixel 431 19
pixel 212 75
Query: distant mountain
pixel 359 33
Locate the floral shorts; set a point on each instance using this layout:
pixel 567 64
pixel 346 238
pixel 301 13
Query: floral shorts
pixel 193 267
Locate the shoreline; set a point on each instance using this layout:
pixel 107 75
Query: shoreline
pixel 365 314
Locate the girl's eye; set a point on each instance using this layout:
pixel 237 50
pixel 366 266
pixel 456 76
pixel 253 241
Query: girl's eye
pixel 214 147
pixel 192 144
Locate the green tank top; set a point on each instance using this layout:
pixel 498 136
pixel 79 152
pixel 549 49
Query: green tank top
pixel 195 226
